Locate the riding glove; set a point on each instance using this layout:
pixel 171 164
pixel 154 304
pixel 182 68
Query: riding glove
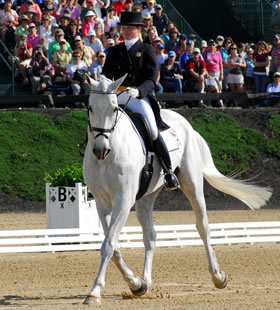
pixel 132 92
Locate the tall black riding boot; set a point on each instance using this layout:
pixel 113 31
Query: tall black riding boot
pixel 170 180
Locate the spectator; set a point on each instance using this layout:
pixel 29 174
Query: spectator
pixel 22 58
pixel 170 77
pixel 236 63
pixel 33 37
pixel 165 37
pixel 129 5
pixel 161 55
pixel 99 33
pixel 274 87
pixel 150 7
pixel 156 41
pixel 72 9
pixel 275 16
pixel 160 20
pixel 249 75
pixel 40 75
pixel 110 20
pixel 220 40
pixel 225 53
pixel 214 65
pixel 110 42
pixel 181 46
pixel 64 21
pixel 97 66
pixel 8 18
pixel 43 43
pixel 89 24
pixel 61 59
pixel 152 35
pixel 184 57
pixel 30 6
pixel 22 28
pixel 119 6
pixel 260 59
pixel 203 45
pixel 44 30
pixel 71 32
pixel 77 83
pixel 32 16
pixel 88 55
pixel 54 46
pixel 148 24
pixel 196 73
pixel 173 41
pixel 49 12
pixel 274 55
pixel 85 10
pixel 93 42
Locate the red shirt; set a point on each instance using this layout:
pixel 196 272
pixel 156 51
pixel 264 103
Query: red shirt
pixel 196 66
pixel 260 58
pixel 119 7
pixel 22 52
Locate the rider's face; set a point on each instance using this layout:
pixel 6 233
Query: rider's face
pixel 130 32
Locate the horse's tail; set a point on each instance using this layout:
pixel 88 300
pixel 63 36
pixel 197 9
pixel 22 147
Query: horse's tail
pixel 252 195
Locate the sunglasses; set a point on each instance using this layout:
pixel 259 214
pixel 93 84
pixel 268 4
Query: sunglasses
pixel 233 48
pixel 228 42
pixel 62 43
pixel 101 56
pixel 77 56
pixel 72 25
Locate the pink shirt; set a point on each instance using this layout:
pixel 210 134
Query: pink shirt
pixel 33 40
pixel 216 57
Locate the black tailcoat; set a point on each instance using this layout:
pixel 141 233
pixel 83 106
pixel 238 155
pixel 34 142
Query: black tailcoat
pixel 140 64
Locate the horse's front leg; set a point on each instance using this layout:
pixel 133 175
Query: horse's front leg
pixel 120 211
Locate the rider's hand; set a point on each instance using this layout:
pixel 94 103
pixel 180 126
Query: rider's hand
pixel 132 92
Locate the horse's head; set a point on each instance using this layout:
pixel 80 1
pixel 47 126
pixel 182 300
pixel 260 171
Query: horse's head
pixel 103 113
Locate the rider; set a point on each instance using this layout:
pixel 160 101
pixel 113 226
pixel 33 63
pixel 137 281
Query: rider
pixel 138 60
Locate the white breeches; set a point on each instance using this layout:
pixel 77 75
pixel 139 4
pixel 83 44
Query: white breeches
pixel 143 107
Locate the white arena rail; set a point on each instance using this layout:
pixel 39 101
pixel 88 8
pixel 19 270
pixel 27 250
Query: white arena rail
pixel 54 240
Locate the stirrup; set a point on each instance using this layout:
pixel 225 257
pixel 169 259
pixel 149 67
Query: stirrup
pixel 171 182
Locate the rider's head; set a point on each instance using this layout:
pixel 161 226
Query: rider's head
pixel 131 23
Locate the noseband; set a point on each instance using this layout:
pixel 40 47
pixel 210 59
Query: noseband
pixel 103 131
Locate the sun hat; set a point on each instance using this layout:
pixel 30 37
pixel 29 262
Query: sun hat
pixel 90 13
pixel 78 38
pixel 196 50
pixel 91 33
pixel 110 41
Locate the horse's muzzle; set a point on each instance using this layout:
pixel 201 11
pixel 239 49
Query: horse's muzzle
pixel 100 154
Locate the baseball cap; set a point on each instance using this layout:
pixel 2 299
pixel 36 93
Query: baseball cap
pixel 196 50
pixel 90 13
pixel 110 41
pixel 91 33
pixel 158 7
pixel 31 25
pixel 183 37
pixel 211 41
pixel 59 32
pixel 29 2
pixel 78 38
pixel 160 46
pixel 190 42
pixel 101 53
pixel 54 25
pixel 276 74
pixel 62 40
pixel 172 54
pixel 157 39
pixel 203 43
pixel 220 38
pixel 277 36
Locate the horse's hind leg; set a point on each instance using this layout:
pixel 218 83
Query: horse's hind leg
pixel 194 192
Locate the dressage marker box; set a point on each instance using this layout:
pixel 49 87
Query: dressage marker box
pixel 68 207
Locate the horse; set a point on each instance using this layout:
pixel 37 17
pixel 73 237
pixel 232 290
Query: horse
pixel 113 161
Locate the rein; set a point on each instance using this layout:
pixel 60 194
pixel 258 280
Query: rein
pixel 102 131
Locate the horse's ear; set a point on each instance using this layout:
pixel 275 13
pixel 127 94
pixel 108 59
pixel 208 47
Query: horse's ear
pixel 92 83
pixel 115 85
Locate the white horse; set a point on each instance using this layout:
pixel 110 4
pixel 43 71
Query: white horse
pixel 113 162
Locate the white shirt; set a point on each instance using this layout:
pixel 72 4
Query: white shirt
pixel 71 68
pixel 96 45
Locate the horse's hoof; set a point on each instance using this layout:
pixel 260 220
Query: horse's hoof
pixel 92 300
pixel 220 284
pixel 142 290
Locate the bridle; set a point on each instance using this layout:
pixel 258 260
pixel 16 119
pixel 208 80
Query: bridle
pixel 103 131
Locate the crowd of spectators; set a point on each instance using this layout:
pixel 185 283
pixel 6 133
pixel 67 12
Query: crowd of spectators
pixel 52 40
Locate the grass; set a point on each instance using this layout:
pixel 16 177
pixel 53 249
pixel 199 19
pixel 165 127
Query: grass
pixel 33 145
